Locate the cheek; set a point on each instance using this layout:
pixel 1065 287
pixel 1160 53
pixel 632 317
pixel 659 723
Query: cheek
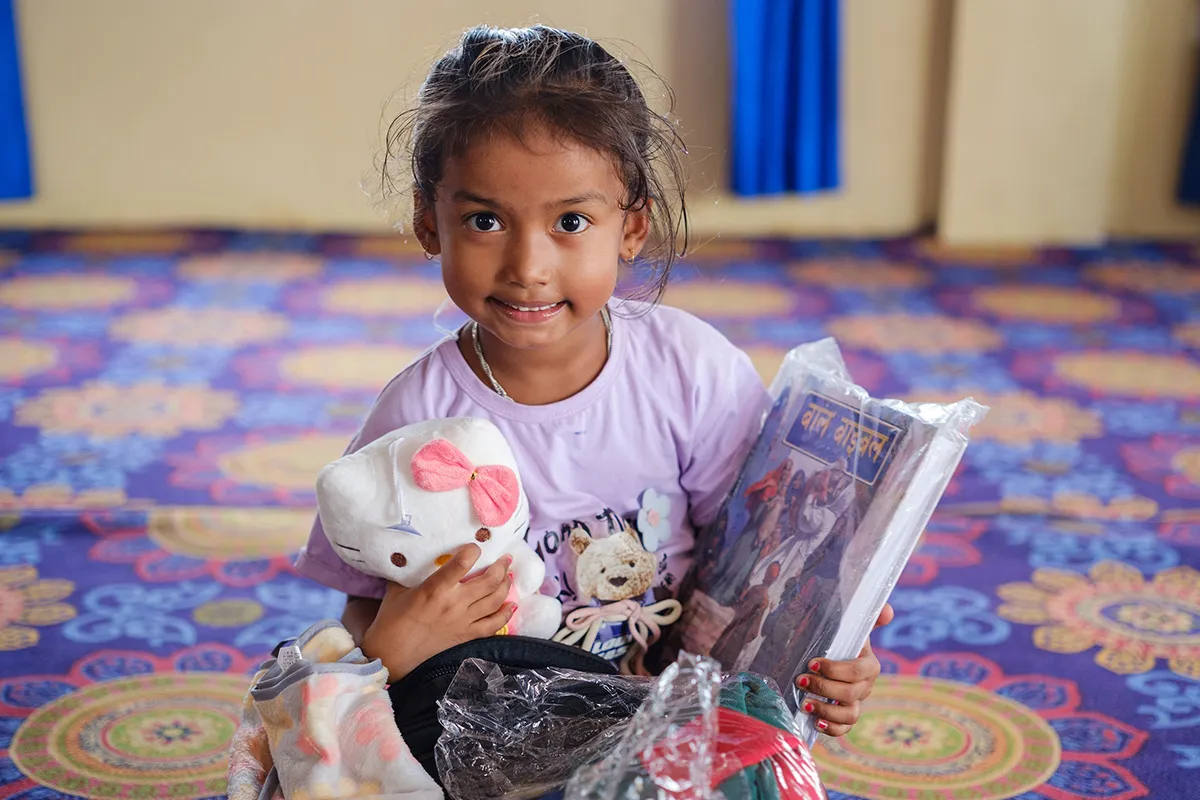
pixel 466 275
pixel 592 273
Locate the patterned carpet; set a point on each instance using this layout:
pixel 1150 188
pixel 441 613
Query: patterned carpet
pixel 166 400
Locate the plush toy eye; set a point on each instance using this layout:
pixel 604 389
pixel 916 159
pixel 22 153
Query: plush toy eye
pixel 632 564
pixel 399 560
pixel 482 535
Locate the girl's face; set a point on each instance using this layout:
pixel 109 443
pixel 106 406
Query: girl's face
pixel 530 233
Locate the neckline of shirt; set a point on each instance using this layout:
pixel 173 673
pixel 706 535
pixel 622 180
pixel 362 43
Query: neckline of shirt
pixel 482 394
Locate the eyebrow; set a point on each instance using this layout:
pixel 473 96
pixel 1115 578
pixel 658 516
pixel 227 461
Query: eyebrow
pixel 467 197
pixel 586 197
pixel 462 196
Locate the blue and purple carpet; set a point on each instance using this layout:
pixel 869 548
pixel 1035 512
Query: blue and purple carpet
pixel 166 400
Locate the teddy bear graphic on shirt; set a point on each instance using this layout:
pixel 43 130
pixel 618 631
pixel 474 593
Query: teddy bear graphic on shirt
pixel 614 568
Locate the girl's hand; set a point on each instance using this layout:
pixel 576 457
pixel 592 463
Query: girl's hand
pixel 846 683
pixel 414 624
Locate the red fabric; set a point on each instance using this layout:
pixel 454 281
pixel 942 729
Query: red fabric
pixel 441 467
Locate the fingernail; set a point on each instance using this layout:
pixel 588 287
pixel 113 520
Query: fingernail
pixel 833 702
pixel 510 576
pixel 809 707
pixel 814 666
pixel 804 682
pixel 822 725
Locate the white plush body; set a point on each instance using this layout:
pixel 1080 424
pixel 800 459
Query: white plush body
pixel 373 511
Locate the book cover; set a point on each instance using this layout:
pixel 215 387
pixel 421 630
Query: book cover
pixel 826 511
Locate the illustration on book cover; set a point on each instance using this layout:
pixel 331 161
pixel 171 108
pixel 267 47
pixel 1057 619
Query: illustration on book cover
pixel 785 555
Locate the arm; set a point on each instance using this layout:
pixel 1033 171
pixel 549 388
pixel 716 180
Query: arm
pixel 727 415
pixel 358 615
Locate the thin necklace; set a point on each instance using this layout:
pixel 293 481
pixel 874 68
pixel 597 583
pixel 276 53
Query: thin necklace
pixel 487 370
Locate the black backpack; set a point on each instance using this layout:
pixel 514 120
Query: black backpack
pixel 415 697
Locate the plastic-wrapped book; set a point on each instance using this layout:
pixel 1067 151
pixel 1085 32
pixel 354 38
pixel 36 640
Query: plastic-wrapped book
pixel 826 512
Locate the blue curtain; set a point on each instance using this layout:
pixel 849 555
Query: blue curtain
pixel 1189 179
pixel 16 179
pixel 786 75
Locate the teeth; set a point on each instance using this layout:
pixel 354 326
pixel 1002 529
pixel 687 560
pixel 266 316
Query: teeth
pixel 535 308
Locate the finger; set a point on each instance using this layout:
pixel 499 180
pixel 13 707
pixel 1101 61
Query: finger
pixel 832 720
pixel 456 568
pixel 494 622
pixel 864 668
pixel 486 582
pixel 843 693
pixel 490 603
pixel 885 616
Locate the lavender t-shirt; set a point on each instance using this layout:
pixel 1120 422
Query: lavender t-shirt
pixel 656 440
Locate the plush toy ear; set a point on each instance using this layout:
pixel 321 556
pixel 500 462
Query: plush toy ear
pixel 580 541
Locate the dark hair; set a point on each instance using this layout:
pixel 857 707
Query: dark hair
pixel 500 80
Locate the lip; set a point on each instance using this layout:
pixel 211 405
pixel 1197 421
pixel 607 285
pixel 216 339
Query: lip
pixel 528 312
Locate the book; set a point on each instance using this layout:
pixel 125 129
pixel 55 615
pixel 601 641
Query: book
pixel 826 511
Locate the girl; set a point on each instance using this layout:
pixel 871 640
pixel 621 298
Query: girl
pixel 536 168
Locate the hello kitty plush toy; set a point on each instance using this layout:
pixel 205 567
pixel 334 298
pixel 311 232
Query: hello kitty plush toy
pixel 401 507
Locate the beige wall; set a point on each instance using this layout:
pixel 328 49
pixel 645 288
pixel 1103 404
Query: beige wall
pixel 1013 120
pixel 1156 98
pixel 1031 120
pixel 1066 120
pixel 267 113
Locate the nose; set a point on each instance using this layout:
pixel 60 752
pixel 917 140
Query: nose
pixel 528 260
pixel 441 560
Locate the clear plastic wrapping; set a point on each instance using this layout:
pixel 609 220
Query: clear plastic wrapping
pixel 669 745
pixel 689 734
pixel 827 510
pixel 522 735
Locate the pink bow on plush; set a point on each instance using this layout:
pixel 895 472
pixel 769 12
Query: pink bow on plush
pixel 440 466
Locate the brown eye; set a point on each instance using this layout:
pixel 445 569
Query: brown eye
pixel 482 535
pixel 399 560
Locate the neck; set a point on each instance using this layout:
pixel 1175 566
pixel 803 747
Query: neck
pixel 542 375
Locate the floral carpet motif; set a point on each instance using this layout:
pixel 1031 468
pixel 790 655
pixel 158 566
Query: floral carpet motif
pixel 167 398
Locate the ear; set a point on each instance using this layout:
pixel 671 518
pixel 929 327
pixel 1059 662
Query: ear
pixel 425 224
pixel 633 534
pixel 636 230
pixel 580 541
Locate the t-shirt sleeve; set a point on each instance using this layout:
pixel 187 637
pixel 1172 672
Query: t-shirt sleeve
pixel 317 560
pixel 730 401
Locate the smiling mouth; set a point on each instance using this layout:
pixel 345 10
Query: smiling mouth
pixel 528 313
pixel 531 308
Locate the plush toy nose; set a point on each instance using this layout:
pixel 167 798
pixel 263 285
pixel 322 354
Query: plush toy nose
pixel 441 560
